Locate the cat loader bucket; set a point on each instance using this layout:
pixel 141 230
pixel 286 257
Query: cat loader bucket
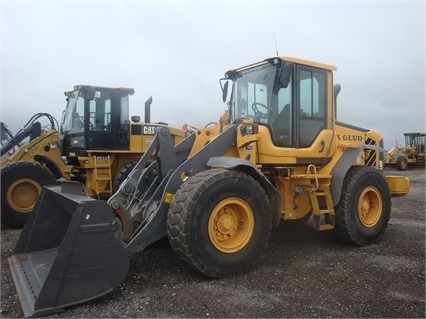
pixel 70 251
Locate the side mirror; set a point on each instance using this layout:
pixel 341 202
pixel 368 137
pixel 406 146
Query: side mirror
pixel 336 91
pixel 285 75
pixel 224 87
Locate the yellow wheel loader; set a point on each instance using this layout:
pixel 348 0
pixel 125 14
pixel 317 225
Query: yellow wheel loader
pixel 278 153
pixel 96 145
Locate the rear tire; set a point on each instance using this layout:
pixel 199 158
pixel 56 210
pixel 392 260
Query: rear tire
pixel 401 163
pixel 21 184
pixel 220 222
pixel 363 212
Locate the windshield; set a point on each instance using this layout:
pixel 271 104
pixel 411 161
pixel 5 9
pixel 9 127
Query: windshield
pixel 414 140
pixel 100 105
pixel 251 95
pixel 73 116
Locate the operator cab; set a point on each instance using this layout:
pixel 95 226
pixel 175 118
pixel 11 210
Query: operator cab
pixel 287 95
pixel 415 140
pixel 95 118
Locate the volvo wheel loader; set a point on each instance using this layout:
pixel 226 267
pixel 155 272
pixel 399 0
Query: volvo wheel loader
pixel 96 145
pixel 278 153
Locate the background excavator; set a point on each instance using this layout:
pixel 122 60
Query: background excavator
pixel 96 144
pixel 278 153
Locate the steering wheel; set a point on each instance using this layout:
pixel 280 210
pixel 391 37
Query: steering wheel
pixel 259 113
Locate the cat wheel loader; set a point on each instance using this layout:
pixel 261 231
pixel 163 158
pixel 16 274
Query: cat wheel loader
pixel 277 153
pixel 97 145
pixel 412 154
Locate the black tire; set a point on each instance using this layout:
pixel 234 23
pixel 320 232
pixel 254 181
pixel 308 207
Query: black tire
pixel 21 184
pixel 203 218
pixel 122 175
pixel 401 163
pixel 363 212
pixel 124 172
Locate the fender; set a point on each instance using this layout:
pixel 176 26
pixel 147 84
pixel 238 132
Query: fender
pixel 249 168
pixel 51 165
pixel 342 166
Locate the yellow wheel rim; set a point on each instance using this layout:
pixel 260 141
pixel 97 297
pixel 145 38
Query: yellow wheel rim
pixel 231 225
pixel 22 195
pixel 370 207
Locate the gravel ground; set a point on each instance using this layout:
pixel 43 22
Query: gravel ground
pixel 303 273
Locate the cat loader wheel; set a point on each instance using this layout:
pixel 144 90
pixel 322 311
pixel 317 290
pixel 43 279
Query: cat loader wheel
pixel 122 175
pixel 220 222
pixel 21 183
pixel 401 163
pixel 364 208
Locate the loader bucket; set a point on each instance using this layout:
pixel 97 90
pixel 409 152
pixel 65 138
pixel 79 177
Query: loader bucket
pixel 70 251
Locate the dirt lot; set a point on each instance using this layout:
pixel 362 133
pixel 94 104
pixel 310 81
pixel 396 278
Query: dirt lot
pixel 303 273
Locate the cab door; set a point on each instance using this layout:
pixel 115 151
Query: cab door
pixel 302 127
pixel 313 114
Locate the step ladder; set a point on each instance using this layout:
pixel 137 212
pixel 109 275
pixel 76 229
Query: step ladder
pixel 103 179
pixel 321 199
pixel 323 217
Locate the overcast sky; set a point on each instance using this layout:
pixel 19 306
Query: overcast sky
pixel 176 52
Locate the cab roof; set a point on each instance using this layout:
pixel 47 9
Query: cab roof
pixel 290 59
pixel 130 91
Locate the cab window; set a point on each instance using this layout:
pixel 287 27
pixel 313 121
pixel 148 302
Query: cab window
pixel 100 112
pixel 312 90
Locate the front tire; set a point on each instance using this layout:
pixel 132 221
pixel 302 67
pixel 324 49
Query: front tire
pixel 401 163
pixel 21 184
pixel 363 212
pixel 220 222
pixel 122 174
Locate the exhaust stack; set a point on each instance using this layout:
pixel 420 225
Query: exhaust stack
pixel 148 110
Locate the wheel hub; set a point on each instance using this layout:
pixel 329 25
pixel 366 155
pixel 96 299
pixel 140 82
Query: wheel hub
pixel 370 207
pixel 226 222
pixel 22 195
pixel 231 225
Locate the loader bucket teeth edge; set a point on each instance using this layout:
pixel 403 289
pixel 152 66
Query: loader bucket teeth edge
pixel 70 251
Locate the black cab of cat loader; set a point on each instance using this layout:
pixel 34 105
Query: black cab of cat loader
pixel 95 118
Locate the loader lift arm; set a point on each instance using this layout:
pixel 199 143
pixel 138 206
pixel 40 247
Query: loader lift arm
pixel 146 201
pixel 34 130
pixel 31 129
pixel 5 134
